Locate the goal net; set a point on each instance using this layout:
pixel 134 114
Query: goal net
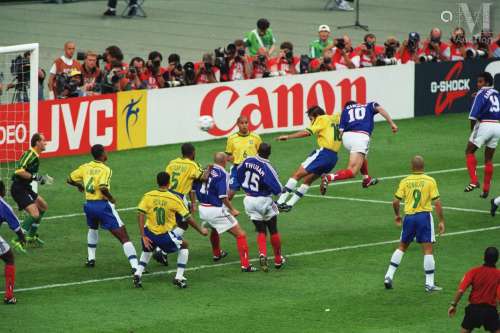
pixel 18 104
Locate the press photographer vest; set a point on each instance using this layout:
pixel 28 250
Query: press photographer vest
pixel 62 67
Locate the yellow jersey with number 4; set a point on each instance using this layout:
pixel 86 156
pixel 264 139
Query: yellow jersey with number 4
pixel 161 208
pixel 183 172
pixel 242 146
pixel 326 129
pixel 93 176
pixel 417 191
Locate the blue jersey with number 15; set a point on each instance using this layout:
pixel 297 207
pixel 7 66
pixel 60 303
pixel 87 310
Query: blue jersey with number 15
pixel 358 118
pixel 258 178
pixel 486 105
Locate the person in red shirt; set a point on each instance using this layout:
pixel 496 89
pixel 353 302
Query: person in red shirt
pixel 285 63
pixel 91 74
pixel 344 55
pixel 205 70
pixel 260 64
pixel 239 64
pixel 410 49
pixel 369 51
pixel 458 45
pixel 154 71
pixel 482 308
pixel 434 49
pixel 323 64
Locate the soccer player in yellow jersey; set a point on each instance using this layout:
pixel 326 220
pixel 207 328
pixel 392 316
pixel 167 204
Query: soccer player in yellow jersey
pixel 418 191
pixel 239 146
pixel 319 162
pixel 94 179
pixel 160 227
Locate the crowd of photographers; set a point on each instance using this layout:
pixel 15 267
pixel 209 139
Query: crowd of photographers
pixel 256 56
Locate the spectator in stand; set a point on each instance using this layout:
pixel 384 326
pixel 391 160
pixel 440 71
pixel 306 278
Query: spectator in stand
pixel 483 298
pixel 91 74
pixel 239 64
pixel 260 37
pixel 63 65
pixel 260 65
pixel 410 49
pixel 458 45
pixel 344 55
pixel 318 45
pixel 154 71
pixel 434 48
pixel 369 51
pixel 205 70
pixel 285 63
pixel 323 64
pixel 495 47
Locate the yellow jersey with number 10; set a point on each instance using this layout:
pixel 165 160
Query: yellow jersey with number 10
pixel 326 128
pixel 242 146
pixel 417 191
pixel 93 176
pixel 183 172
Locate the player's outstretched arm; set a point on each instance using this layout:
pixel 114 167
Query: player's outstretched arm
pixel 296 135
pixel 396 204
pixel 439 212
pixel 107 194
pixel 388 118
pixel 79 186
pixel 201 230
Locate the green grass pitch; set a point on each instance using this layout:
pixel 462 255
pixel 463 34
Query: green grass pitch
pixel 338 249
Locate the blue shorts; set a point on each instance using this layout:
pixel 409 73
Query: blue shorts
pixel 320 161
pixel 103 213
pixel 168 242
pixel 234 185
pixel 420 226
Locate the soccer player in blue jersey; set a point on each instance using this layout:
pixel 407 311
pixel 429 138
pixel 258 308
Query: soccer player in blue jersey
pixel 485 126
pixel 260 181
pixel 216 208
pixel 94 179
pixel 7 215
pixel 356 127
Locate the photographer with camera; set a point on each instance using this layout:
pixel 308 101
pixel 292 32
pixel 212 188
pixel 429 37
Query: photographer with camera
pixel 111 56
pixel 344 55
pixel 391 47
pixel 410 49
pixel 323 64
pixel 205 71
pixel 135 77
pixel 260 37
pixel 286 63
pixel 458 45
pixel 369 51
pixel 91 74
pixel 154 71
pixel 481 46
pixel 62 65
pixel 69 85
pixel 318 45
pixel 260 65
pixel 239 63
pixel 434 49
pixel 174 74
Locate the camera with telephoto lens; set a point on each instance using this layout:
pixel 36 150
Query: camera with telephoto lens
pixel 112 78
pixel 189 73
pixel 66 86
pixel 340 43
pixel 132 70
pixel 304 63
pixel 427 58
pixel 368 45
pixel 472 53
pixel 388 58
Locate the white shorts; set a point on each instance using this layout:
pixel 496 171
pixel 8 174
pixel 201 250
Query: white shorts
pixel 485 133
pixel 217 217
pixel 356 142
pixel 260 208
pixel 4 246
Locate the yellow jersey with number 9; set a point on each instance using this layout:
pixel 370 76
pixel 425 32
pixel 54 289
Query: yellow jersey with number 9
pixel 326 128
pixel 417 191
pixel 161 208
pixel 183 172
pixel 92 176
pixel 242 146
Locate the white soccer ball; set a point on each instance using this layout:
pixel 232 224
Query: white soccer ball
pixel 206 123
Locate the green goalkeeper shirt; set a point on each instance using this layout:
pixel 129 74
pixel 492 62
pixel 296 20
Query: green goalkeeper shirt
pixel 254 41
pixel 29 162
pixel 317 46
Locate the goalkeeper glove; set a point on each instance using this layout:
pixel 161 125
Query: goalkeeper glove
pixel 44 179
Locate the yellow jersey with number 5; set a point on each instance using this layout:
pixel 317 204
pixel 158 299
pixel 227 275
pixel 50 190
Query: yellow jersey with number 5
pixel 326 129
pixel 242 146
pixel 417 191
pixel 93 176
pixel 161 208
pixel 183 172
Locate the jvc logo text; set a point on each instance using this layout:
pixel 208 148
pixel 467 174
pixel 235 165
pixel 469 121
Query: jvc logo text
pixel 452 85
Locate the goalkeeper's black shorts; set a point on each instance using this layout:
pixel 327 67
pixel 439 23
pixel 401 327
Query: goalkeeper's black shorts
pixel 22 194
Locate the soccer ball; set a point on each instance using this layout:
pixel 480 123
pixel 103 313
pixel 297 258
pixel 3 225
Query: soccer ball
pixel 206 123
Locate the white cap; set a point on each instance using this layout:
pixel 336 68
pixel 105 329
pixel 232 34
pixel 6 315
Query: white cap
pixel 323 27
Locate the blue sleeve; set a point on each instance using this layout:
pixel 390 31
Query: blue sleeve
pixel 8 215
pixel 344 119
pixel 221 186
pixel 477 106
pixel 373 107
pixel 273 182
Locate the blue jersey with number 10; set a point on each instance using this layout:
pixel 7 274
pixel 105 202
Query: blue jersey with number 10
pixel 358 118
pixel 214 190
pixel 486 105
pixel 258 178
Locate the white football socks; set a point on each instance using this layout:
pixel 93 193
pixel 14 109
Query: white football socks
pixel 130 253
pixel 290 186
pixel 298 194
pixel 429 267
pixel 182 259
pixel 92 239
pixel 396 258
pixel 143 262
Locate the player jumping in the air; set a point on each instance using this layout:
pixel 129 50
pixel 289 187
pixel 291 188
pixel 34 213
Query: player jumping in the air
pixel 216 209
pixel 7 214
pixel 356 127
pixel 159 227
pixel 319 162
pixel 94 179
pixel 22 192
pixel 485 126
pixel 418 191
pixel 260 181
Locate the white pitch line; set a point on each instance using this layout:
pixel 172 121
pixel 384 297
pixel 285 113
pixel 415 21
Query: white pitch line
pixel 197 268
pixel 390 202
pixel 57 217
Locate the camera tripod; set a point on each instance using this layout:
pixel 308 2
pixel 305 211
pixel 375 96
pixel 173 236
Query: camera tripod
pixel 20 94
pixel 356 23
